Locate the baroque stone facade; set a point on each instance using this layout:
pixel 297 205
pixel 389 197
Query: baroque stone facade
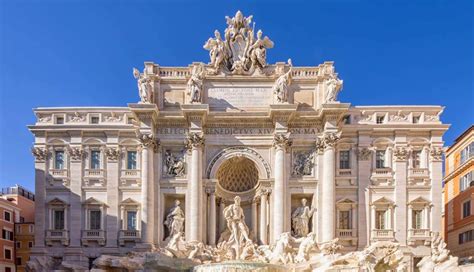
pixel 308 170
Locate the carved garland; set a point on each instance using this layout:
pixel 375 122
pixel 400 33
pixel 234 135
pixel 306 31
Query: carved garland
pixel 436 153
pixel 40 154
pixel 75 153
pixel 401 153
pixel 112 153
pixel 364 154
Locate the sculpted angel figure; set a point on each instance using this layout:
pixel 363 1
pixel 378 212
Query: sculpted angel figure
pixel 300 219
pixel 175 220
pixel 282 84
pixel 334 86
pixel 258 51
pixel 144 86
pixel 195 84
pixel 216 49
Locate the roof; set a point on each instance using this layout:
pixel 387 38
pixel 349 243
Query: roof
pixel 461 137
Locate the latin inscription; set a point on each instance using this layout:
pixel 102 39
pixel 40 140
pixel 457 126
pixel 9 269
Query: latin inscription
pixel 239 97
pixel 236 131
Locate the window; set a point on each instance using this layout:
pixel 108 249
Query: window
pixel 18 228
pixel 466 209
pixel 18 260
pixel 380 119
pixel 344 159
pixel 415 159
pixel 8 269
pixel 94 119
pixel 59 120
pixel 59 159
pixel 416 119
pixel 7 235
pixel 8 254
pixel 466 181
pixel 58 219
pixel 347 119
pixel 345 220
pixel 131 220
pixel 380 159
pixel 95 159
pixel 131 160
pixel 18 244
pixel 22 219
pixel 381 219
pixel 95 218
pixel 30 244
pixel 416 219
pixel 467 152
pixel 7 216
pixel 467 236
pixel 31 228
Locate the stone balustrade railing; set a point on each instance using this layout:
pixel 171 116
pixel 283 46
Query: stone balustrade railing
pixel 174 72
pixel 130 173
pixel 344 172
pixel 305 72
pixel 58 173
pixel 57 236
pixel 421 233
pixel 418 172
pixel 344 233
pixel 94 172
pixel 382 234
pixel 129 236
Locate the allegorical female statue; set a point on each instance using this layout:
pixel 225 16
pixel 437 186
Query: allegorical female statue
pixel 334 85
pixel 280 89
pixel 195 84
pixel 300 219
pixel 144 87
pixel 175 220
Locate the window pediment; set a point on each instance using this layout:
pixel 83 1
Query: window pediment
pixel 129 202
pixel 93 201
pixel 57 202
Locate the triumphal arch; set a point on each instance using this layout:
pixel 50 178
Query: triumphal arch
pixel 239 159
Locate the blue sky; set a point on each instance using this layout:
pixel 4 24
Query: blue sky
pixel 81 53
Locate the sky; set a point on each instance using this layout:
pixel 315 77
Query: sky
pixel 81 53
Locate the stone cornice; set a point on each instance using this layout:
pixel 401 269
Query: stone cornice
pixel 466 165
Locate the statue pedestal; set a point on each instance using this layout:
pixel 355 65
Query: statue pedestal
pixel 237 266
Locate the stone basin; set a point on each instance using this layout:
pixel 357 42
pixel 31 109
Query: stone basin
pixel 238 266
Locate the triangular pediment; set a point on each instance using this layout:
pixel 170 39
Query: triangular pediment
pixel 57 201
pixel 345 201
pixel 383 201
pixel 129 202
pixel 93 201
pixel 420 200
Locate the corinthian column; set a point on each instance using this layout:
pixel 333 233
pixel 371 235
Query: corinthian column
pixel 328 140
pixel 281 144
pixel 195 142
pixel 148 144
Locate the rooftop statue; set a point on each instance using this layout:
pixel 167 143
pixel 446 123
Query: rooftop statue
pixel 240 52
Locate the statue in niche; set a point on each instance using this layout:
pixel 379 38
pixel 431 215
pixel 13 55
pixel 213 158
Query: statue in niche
pixel 144 87
pixel 280 89
pixel 175 220
pixel 234 214
pixel 217 51
pixel 300 219
pixel 175 167
pixel 195 84
pixel 303 164
pixel 333 87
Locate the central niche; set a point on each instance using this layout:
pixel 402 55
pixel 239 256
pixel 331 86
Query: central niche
pixel 238 174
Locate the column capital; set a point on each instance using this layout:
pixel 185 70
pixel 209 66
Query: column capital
pixel 194 140
pixel 210 190
pixel 40 153
pixel 148 140
pixel 328 140
pixel 282 141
